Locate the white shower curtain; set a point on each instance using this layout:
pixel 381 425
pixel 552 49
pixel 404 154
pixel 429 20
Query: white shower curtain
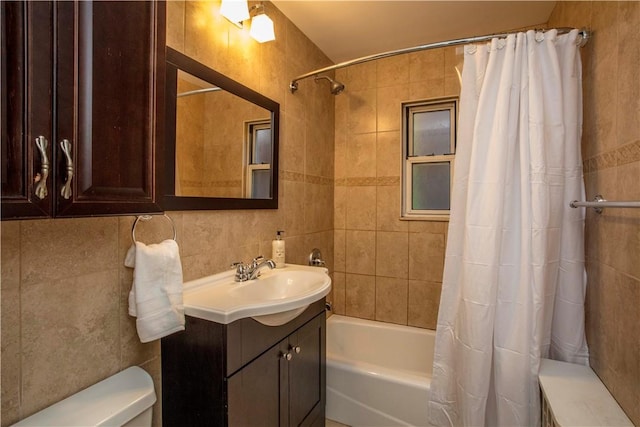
pixel 514 279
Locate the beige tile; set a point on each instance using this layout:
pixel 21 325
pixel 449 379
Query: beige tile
pixel 175 24
pixel 426 65
pixel 340 156
pixel 628 109
pixel 273 77
pixel 70 336
pixel 601 336
pixel 319 153
pixel 362 111
pixel 10 322
pixel 426 256
pixel 360 296
pixel 322 240
pixel 424 300
pixel 392 70
pixel 294 207
pixel 72 247
pixel 433 227
pixel 361 208
pixel 392 252
pixel 361 252
pixel 388 209
pixel 10 253
pixel 391 300
pixel 318 211
pixel 339 293
pixel 132 351
pixel 627 363
pixel 340 207
pixel 292 143
pixel 389 103
pixel 361 155
pixel 202 233
pixel 154 368
pixel 200 42
pixel 428 89
pixel 389 154
pixel 340 247
pixel 362 76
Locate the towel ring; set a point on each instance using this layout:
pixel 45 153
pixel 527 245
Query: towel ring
pixel 147 218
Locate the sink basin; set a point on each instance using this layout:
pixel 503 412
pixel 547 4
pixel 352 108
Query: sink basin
pixel 274 298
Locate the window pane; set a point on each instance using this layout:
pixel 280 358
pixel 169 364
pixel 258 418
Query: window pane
pixel 262 146
pixel 260 180
pixel 431 183
pixel 431 133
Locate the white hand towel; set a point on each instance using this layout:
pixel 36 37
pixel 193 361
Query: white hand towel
pixel 156 293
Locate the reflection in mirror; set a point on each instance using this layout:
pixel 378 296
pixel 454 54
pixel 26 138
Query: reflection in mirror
pixel 226 154
pixel 222 141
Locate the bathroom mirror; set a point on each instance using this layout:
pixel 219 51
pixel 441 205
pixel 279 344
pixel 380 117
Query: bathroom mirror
pixel 222 140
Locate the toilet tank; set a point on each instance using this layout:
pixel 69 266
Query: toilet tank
pixel 124 399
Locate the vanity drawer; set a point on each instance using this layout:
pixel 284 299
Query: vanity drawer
pixel 247 338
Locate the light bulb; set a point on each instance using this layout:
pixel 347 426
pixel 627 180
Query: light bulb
pixel 262 28
pixel 235 10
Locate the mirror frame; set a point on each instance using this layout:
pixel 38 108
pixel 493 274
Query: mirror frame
pixel 178 61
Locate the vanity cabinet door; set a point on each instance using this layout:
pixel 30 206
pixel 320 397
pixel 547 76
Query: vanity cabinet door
pixel 255 395
pixel 285 385
pixel 91 74
pixel 26 71
pixel 307 373
pixel 109 104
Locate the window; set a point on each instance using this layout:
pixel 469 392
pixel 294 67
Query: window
pixel 258 176
pixel 429 145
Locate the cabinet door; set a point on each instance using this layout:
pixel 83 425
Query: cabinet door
pixel 255 395
pixel 26 71
pixel 307 373
pixel 109 59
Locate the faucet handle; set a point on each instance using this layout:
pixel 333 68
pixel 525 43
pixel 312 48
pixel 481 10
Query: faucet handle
pixel 242 271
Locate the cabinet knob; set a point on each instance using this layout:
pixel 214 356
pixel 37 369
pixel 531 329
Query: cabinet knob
pixel 41 186
pixel 286 356
pixel 297 349
pixel 66 149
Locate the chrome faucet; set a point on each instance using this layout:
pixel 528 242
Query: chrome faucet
pixel 251 271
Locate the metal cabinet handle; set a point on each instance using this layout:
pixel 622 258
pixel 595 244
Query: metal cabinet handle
pixel 41 186
pixel 286 356
pixel 297 349
pixel 66 149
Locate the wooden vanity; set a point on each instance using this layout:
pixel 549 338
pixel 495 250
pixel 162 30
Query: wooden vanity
pixel 245 373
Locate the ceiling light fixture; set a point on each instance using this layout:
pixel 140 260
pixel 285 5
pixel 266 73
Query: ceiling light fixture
pixel 261 25
pixel 235 11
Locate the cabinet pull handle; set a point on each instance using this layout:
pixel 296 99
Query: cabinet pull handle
pixel 66 149
pixel 297 349
pixel 41 186
pixel 286 356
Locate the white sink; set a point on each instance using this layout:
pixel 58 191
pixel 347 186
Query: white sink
pixel 274 298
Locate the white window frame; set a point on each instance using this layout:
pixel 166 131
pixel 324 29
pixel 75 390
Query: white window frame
pixel 251 127
pixel 408 110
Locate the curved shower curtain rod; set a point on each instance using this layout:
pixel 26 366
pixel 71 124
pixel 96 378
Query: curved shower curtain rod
pixel 293 85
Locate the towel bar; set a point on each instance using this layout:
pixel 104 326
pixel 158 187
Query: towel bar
pixel 600 202
pixel 147 218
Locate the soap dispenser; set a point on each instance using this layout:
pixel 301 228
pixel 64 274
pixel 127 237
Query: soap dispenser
pixel 277 249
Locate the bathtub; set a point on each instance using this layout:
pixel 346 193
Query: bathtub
pixel 378 374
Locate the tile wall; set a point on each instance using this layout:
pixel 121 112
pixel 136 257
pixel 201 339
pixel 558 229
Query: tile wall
pixel 64 287
pixel 611 154
pixel 385 268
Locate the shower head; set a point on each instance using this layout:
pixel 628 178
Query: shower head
pixel 336 87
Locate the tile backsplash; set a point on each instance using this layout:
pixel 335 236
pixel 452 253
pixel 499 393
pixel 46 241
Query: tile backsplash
pixel 64 286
